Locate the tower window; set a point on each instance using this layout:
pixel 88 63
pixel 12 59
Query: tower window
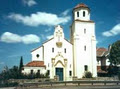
pixel 84 31
pixel 70 73
pixel 84 48
pixel 53 50
pixel 77 14
pixel 83 13
pixel 65 50
pixel 86 68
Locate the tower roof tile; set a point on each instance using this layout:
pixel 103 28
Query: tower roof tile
pixel 81 5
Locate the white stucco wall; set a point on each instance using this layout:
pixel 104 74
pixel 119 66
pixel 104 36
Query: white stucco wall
pixel 38 51
pixel 27 70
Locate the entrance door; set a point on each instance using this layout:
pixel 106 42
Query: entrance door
pixel 59 72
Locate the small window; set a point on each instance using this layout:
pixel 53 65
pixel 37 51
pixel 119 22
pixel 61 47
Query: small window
pixel 77 14
pixel 84 48
pixel 65 50
pixel 84 31
pixel 86 68
pixel 31 72
pixel 83 13
pixel 48 72
pixel 38 71
pixel 53 50
pixel 70 73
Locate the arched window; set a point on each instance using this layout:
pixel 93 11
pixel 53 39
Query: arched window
pixel 70 73
pixel 38 71
pixel 77 14
pixel 83 13
pixel 53 50
pixel 64 50
pixel 86 68
pixel 84 48
pixel 31 71
pixel 84 31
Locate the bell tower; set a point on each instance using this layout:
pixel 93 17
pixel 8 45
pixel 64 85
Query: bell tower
pixel 84 42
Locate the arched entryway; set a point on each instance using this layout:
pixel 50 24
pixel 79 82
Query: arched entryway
pixel 59 67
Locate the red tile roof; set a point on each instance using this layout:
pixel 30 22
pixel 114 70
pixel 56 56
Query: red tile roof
pixel 81 5
pixel 35 64
pixel 101 51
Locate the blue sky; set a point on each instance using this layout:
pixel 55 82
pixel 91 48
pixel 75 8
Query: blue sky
pixel 26 24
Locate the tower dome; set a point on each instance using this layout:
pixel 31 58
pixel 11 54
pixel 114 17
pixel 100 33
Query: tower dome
pixel 81 5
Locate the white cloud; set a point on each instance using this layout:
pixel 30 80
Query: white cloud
pixel 48 29
pixel 15 38
pixel 49 37
pixel 10 37
pixel 29 2
pixel 43 37
pixel 29 39
pixel 114 31
pixel 107 33
pixel 65 12
pixel 40 18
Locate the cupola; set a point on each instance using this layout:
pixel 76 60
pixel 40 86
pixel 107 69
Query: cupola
pixel 81 12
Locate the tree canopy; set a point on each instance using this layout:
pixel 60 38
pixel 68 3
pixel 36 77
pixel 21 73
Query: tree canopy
pixel 114 55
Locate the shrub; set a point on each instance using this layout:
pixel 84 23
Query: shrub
pixel 88 75
pixel 119 75
pixel 7 84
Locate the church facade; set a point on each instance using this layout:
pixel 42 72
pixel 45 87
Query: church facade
pixel 68 59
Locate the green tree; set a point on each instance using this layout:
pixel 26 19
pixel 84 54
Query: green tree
pixel 5 73
pixel 14 72
pixel 21 65
pixel 114 55
pixel 11 73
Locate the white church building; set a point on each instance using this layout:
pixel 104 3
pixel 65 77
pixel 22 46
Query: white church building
pixel 68 59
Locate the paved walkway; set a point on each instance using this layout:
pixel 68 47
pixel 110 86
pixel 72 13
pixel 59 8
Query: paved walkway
pixel 71 87
pixel 78 87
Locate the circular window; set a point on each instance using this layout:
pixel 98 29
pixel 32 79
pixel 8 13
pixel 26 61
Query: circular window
pixel 37 55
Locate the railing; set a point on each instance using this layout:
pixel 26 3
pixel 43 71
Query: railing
pixel 65 83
